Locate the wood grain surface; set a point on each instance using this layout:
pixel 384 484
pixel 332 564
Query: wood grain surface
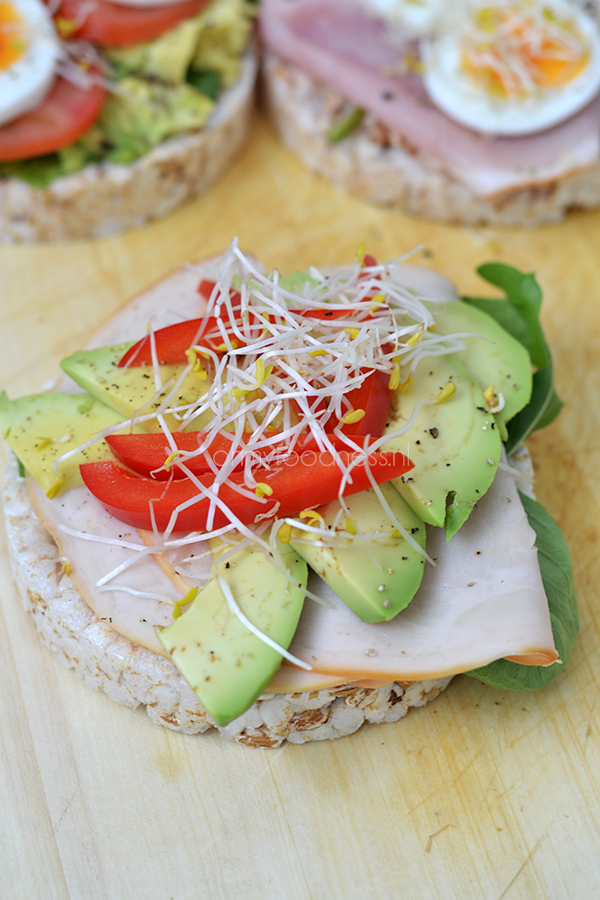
pixel 482 794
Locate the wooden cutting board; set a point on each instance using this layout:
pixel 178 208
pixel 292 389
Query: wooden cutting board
pixel 482 794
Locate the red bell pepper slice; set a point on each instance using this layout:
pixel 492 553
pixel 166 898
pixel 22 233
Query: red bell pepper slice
pixel 374 397
pixel 205 288
pixel 173 341
pixel 300 485
pixel 323 314
pixel 145 454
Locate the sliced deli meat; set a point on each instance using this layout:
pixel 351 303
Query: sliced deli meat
pixel 483 600
pixel 340 44
pixel 400 608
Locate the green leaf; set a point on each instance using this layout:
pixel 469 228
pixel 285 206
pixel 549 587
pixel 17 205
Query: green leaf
pixel 542 408
pixel 557 575
pixel 39 171
pixel 519 314
pixel 205 81
pixel 345 126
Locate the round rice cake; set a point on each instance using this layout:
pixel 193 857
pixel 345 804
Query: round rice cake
pixel 379 166
pixel 105 198
pixel 134 676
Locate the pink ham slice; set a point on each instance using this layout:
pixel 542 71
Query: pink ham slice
pixel 337 42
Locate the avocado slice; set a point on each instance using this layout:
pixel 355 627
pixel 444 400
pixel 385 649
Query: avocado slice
pixel 296 282
pixel 42 427
pixel 455 444
pixel 375 578
pixel 126 390
pixel 505 363
pixel 225 664
pixel 226 28
pixel 166 57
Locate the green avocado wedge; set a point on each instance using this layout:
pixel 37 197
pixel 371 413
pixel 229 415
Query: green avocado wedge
pixel 40 428
pixel 375 577
pixel 454 445
pixel 132 391
pixel 519 314
pixel 493 357
pixel 225 664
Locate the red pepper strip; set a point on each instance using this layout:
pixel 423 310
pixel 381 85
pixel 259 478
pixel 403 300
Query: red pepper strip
pixel 206 288
pixel 374 397
pixel 172 342
pixel 368 260
pixel 298 486
pixel 326 313
pixel 146 453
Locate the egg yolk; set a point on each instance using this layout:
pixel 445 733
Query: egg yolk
pixel 512 54
pixel 12 35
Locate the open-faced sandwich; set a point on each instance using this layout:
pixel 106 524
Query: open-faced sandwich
pixel 285 506
pixel 114 113
pixel 466 111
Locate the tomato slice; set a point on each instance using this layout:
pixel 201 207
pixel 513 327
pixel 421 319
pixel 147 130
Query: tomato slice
pixel 296 486
pixel 111 25
pixel 147 453
pixel 66 113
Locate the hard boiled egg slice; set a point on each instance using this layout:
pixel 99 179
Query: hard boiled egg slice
pixel 29 50
pixel 417 16
pixel 515 67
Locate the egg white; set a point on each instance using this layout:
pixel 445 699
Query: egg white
pixel 24 84
pixel 452 91
pixel 417 16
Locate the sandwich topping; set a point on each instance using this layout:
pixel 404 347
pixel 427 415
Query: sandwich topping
pixel 514 68
pixel 106 81
pixel 280 437
pixel 497 95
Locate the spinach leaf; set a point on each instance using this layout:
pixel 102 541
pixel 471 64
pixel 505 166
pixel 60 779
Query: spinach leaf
pixel 542 408
pixel 40 171
pixel 519 314
pixel 557 575
pixel 205 81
